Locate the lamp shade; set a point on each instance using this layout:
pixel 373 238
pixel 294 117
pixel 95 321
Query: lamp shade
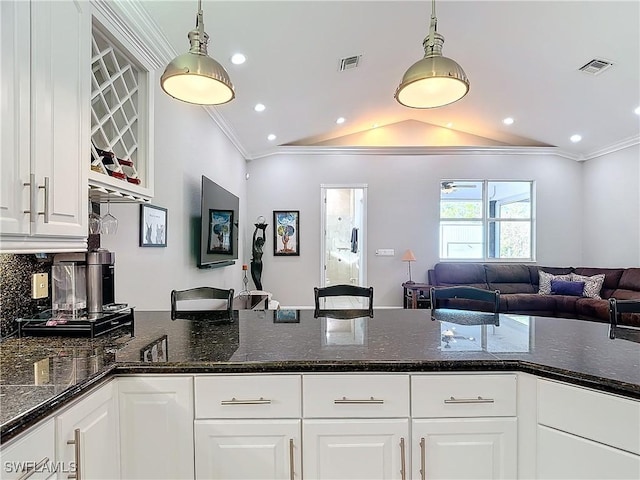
pixel 408 256
pixel 194 77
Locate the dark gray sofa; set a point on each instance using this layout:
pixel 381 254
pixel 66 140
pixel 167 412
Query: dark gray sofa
pixel 519 284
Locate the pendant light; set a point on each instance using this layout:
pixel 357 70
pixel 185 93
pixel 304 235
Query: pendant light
pixel 194 77
pixel 435 80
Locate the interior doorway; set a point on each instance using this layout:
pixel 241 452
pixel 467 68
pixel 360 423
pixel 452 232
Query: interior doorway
pixel 344 214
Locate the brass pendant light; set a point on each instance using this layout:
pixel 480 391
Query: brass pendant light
pixel 435 80
pixel 194 77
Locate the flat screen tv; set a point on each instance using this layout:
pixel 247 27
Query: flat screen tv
pixel 218 226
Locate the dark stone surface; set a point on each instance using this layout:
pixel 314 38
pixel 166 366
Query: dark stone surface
pixel 393 340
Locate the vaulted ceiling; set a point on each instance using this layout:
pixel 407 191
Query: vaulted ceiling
pixel 522 59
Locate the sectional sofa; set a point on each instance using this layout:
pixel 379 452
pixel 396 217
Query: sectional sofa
pixel 519 286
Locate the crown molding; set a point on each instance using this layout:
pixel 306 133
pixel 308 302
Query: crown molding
pixel 614 147
pixel 227 130
pixel 422 150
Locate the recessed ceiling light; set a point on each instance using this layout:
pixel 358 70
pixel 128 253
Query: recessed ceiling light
pixel 508 121
pixel 449 125
pixel 271 137
pixel 375 125
pixel 340 120
pixel 637 110
pixel 259 107
pixel 238 59
pixel 575 138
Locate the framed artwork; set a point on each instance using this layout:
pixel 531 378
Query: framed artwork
pixel 286 232
pixel 220 232
pixel 156 351
pixel 286 316
pixel 153 226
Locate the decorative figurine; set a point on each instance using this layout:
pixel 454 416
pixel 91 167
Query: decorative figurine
pixel 258 250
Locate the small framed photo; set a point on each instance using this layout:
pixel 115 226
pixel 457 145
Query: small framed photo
pixel 286 232
pixel 220 232
pixel 156 351
pixel 153 226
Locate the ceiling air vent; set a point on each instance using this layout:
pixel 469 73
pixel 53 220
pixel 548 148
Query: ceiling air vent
pixel 596 66
pixel 349 62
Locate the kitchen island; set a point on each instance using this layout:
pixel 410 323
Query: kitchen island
pixel 40 375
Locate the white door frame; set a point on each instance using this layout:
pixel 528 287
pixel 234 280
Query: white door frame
pixel 362 239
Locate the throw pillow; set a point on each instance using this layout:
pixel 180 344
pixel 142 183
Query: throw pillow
pixel 545 281
pixel 563 287
pixel 592 285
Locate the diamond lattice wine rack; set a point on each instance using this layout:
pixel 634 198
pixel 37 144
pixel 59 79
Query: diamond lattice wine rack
pixel 120 123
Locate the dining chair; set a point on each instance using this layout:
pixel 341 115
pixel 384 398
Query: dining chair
pixel 465 298
pixel 343 291
pixel 201 300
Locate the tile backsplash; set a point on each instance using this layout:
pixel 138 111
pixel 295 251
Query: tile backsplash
pixel 15 288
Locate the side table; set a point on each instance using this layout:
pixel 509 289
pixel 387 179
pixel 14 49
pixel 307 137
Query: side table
pixel 416 295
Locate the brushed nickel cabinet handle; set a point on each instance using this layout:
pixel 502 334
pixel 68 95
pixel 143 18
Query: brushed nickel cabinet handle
pixel 32 198
pixel 76 443
pixel 256 401
pixel 403 465
pixel 423 459
pixel 31 471
pixel 292 462
pixel 46 199
pixel 469 400
pixel 370 400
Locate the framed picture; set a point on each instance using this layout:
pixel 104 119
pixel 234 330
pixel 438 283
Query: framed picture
pixel 153 226
pixel 156 351
pixel 286 316
pixel 286 232
pixel 220 232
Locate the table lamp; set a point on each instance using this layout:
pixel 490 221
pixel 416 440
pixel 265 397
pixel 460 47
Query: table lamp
pixel 409 257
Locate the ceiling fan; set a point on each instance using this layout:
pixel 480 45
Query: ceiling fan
pixel 448 187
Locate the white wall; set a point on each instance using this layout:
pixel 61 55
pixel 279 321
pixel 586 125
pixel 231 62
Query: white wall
pixel 403 196
pixel 611 209
pixel 188 144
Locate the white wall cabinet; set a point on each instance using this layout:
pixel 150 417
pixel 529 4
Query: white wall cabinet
pixel 87 436
pixel 45 125
pixel 32 452
pixel 156 427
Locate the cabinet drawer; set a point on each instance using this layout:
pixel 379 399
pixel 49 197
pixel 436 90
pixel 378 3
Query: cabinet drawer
pixel 34 451
pixel 355 396
pixel 248 396
pixel 601 417
pixel 454 396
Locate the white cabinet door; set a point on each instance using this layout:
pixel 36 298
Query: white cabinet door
pixel 247 449
pixel 565 456
pixel 469 448
pixel 87 436
pixel 31 452
pixel 14 117
pixel 60 123
pixel 356 449
pixel 156 427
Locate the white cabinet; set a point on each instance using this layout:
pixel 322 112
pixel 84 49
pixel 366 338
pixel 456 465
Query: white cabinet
pixel 464 426
pixel 356 426
pixel 45 125
pixel 247 449
pixel 156 427
pixel 248 427
pixel 31 452
pixel 87 436
pixel 584 434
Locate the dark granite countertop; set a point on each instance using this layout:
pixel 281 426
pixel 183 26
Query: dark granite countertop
pixel 39 374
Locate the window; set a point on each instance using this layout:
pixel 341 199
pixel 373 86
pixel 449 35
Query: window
pixel 486 220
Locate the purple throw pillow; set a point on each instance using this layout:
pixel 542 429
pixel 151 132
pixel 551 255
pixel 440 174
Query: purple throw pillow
pixel 564 287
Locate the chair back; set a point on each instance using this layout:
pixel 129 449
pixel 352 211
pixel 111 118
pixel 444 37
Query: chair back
pixel 343 290
pixel 624 312
pixel 465 298
pixel 199 294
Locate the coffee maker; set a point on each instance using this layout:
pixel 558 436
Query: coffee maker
pixel 82 283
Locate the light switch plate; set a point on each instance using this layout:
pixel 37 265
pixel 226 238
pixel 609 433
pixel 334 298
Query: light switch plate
pixel 39 285
pixel 385 252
